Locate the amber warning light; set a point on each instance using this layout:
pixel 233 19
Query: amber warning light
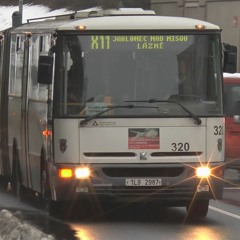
pixel 199 26
pixel 80 27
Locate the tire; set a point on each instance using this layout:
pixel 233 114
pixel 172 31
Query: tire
pixel 4 182
pixel 45 185
pixel 16 182
pixel 58 209
pixel 51 207
pixel 198 209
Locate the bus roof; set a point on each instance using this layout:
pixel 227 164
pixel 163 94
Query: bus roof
pixel 116 19
pixel 137 23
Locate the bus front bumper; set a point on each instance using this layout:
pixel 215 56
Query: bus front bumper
pixel 170 183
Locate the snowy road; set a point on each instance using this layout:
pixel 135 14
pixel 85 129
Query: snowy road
pixel 29 12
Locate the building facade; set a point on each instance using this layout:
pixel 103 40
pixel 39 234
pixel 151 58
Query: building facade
pixel 225 13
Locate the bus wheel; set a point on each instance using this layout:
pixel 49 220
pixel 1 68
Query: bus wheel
pixel 50 207
pixel 16 183
pixel 198 209
pixel 44 183
pixel 4 182
pixel 45 188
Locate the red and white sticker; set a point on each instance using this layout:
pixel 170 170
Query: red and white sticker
pixel 143 138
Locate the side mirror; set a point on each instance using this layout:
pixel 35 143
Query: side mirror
pixel 45 69
pixel 229 58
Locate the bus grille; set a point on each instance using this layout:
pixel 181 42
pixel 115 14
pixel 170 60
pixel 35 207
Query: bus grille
pixel 143 172
pixel 153 191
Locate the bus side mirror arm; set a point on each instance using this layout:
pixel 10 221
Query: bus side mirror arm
pixel 45 69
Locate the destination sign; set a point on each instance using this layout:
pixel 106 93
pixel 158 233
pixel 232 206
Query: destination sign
pixel 138 42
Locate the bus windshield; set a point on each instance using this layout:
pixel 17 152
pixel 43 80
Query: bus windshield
pixel 94 72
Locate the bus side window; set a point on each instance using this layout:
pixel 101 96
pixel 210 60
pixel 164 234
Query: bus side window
pixel 75 75
pixel 235 98
pixel 16 64
pixel 236 108
pixel 34 53
pixel 45 68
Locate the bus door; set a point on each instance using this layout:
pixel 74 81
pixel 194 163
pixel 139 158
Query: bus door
pixel 5 39
pixel 37 108
pixel 33 108
pixel 27 113
pixel 1 69
pixel 24 105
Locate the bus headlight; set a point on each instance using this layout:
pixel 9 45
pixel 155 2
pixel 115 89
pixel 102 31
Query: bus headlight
pixel 203 172
pixel 83 172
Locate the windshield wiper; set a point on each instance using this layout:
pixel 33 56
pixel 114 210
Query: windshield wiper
pixel 108 108
pixel 195 117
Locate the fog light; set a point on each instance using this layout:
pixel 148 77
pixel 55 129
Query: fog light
pixel 203 172
pixel 82 189
pixel 83 172
pixel 203 188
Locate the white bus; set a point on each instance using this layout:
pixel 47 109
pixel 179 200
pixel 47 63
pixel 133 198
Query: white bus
pixel 116 104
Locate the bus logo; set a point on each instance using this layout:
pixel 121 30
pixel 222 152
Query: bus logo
pixel 63 145
pixel 143 156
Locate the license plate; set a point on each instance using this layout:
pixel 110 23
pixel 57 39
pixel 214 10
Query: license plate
pixel 146 182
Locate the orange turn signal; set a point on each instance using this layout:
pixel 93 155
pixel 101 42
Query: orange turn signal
pixel 47 133
pixel 65 173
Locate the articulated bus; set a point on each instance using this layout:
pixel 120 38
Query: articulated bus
pixel 120 105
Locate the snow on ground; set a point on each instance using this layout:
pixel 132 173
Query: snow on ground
pixel 12 228
pixel 29 12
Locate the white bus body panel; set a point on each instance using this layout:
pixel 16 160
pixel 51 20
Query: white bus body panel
pixel 215 139
pixel 66 129
pixel 112 136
